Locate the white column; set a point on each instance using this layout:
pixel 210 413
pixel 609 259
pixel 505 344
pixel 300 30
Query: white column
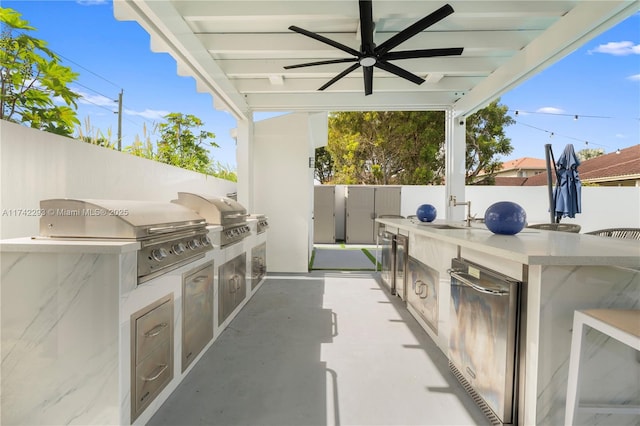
pixel 244 158
pixel 455 169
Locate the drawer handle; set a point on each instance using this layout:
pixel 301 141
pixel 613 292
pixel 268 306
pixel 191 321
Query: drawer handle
pixel 419 286
pixel 238 281
pixel 200 278
pixel 156 330
pixel 156 373
pixel 233 286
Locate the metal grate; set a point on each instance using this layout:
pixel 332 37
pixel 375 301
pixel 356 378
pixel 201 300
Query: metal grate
pixel 627 233
pixel 486 410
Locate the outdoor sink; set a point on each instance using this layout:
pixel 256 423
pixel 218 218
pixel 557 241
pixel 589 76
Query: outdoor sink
pixel 439 225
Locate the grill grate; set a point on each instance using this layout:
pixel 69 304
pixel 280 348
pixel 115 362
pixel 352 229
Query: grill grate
pixel 486 410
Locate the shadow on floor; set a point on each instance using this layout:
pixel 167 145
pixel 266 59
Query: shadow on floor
pixel 324 348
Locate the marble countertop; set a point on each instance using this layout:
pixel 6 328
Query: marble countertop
pixel 47 245
pixel 530 246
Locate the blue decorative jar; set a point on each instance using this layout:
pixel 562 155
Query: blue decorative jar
pixel 426 213
pixel 505 217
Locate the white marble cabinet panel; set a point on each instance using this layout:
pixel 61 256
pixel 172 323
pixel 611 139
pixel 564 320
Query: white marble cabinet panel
pixel 611 372
pixel 60 338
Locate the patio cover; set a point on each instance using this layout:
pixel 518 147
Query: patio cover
pixel 236 49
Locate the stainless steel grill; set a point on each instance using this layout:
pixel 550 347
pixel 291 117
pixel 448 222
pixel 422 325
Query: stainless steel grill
pixel 170 235
pixel 263 223
pixel 223 211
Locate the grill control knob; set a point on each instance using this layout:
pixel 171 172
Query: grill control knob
pixel 194 244
pixel 205 240
pixel 159 254
pixel 179 248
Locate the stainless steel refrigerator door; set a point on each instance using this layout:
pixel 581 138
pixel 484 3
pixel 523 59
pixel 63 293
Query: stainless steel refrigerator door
pixel 401 263
pixel 387 259
pixel 482 342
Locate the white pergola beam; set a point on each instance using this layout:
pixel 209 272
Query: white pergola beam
pixel 329 101
pixel 262 68
pixel 352 84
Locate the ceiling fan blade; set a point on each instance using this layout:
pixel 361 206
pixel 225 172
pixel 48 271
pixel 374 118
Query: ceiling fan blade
pixel 414 29
pixel 366 27
pixel 331 61
pixel 368 80
pixel 339 76
pixel 399 72
pixel 325 40
pixel 424 53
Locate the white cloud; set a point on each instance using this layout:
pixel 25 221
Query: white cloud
pixel 621 136
pixel 98 100
pixel 635 77
pixel 148 113
pixel 550 110
pixel 618 48
pixel 91 2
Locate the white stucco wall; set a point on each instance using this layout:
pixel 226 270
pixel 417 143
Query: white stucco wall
pixel 36 165
pixel 602 207
pixel 283 185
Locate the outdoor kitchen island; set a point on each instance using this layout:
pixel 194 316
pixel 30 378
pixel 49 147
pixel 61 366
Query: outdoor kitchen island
pixel 560 273
pixel 77 326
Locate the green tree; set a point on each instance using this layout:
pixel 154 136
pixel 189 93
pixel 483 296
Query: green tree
pixel 31 78
pixel 182 144
pixel 407 148
pixel 323 166
pixel 485 140
pixel 386 147
pixel 587 153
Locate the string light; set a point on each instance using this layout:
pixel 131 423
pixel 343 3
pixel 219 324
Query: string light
pixel 552 134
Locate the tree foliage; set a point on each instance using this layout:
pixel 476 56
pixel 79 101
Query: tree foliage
pixel 32 78
pixel 485 140
pixel 407 147
pixel 386 147
pixel 587 153
pixel 182 142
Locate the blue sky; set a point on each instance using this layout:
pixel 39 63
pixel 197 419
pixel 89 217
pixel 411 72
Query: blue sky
pixel 599 82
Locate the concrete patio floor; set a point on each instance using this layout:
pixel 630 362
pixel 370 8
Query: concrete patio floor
pixel 324 348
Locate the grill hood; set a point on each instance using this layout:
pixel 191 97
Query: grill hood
pixel 120 219
pixel 216 210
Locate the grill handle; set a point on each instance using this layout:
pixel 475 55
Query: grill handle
pixel 482 289
pixel 170 228
pixel 234 215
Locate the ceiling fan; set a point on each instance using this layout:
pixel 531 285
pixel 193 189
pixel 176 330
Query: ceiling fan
pixel 371 55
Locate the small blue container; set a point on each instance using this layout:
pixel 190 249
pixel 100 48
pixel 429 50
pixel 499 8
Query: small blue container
pixel 426 213
pixel 505 217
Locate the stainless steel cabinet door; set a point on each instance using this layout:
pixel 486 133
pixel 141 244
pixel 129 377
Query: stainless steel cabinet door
pixel 360 215
pixel 422 292
pixel 232 286
pixel 258 264
pixel 324 217
pixel 197 311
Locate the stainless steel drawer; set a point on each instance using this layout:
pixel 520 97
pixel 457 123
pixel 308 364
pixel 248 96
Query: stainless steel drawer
pixel 153 329
pixel 422 292
pixel 151 352
pixel 152 374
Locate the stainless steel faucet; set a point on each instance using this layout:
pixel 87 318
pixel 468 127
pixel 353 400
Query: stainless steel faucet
pixel 453 202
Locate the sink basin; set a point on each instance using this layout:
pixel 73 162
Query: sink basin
pixel 440 226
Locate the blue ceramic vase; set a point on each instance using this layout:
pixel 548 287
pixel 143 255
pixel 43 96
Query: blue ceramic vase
pixel 505 217
pixel 426 213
